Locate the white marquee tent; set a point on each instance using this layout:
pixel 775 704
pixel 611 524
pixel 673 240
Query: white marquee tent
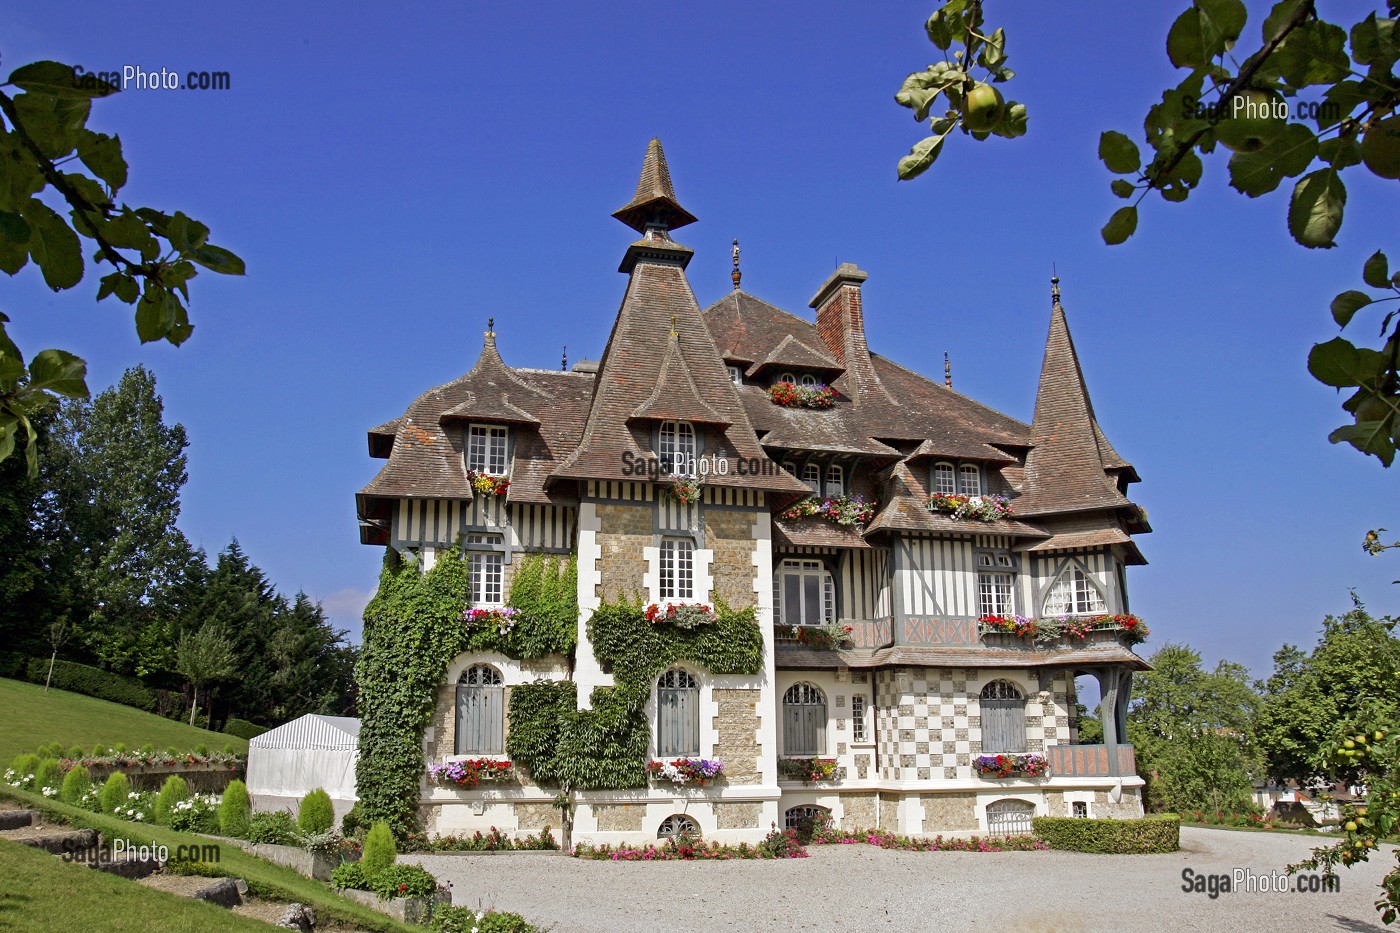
pixel 286 763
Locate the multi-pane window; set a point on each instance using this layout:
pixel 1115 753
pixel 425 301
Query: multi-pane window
pixel 804 721
pixel 677 568
pixel 995 584
pixel 835 481
pixel 945 480
pixel 1079 809
pixel 735 375
pixel 677 714
pixel 790 467
pixel 808 380
pixel 1003 718
pixel 678 824
pixel 812 476
pixel 787 377
pixel 805 593
pixel 858 718
pixel 485 569
pixel 1074 594
pixel 805 817
pixel 480 712
pixel 677 447
pixel 969 480
pixel 486 449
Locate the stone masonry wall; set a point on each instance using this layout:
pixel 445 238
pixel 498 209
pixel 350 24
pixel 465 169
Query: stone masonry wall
pixel 624 530
pixel 944 812
pixel 736 730
pixel 730 535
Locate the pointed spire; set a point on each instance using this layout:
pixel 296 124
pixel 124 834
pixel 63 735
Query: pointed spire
pixel 564 360
pixel 736 275
pixel 947 370
pixel 655 201
pixel 490 335
pixel 1054 290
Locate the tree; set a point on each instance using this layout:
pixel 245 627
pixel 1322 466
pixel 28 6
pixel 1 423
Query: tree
pixel 204 657
pixel 47 151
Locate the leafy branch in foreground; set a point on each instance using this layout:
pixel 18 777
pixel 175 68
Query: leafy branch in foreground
pixel 974 106
pixel 153 255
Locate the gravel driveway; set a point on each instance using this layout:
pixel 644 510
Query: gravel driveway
pixel 873 889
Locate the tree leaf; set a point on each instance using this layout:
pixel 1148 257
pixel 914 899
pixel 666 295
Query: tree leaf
pixel 1120 226
pixel 1228 17
pixel 1279 15
pixel 218 259
pixel 58 80
pixel 102 154
pixel 1373 42
pixel 913 165
pixel 1332 363
pixel 1315 213
pixel 1119 153
pixel 13 227
pixel 1345 305
pixel 59 372
pixel 1122 188
pixel 1013 122
pixel 1286 155
pixel 939 30
pixel 1186 41
pixel 1376 272
pixel 1314 53
pixel 1369 437
pixel 54 246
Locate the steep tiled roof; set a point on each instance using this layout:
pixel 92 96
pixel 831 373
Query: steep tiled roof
pixel 675 397
pixel 655 198
pixel 792 353
pixel 905 508
pixel 494 393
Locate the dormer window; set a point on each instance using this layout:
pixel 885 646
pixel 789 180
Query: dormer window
pixel 835 481
pixel 969 480
pixel 812 476
pixel 945 479
pixel 787 377
pixel 808 380
pixel 486 449
pixel 676 447
pixel 736 376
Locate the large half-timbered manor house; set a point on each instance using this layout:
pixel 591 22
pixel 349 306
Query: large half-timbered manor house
pixel 906 712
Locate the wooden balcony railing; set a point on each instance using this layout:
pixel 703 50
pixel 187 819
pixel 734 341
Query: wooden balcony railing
pixel 1091 760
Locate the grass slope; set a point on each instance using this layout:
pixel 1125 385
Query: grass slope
pixel 33 718
pixel 264 878
pixel 41 892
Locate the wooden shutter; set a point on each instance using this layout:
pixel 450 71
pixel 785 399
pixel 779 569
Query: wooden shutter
pixel 1003 725
pixel 480 720
pixel 678 721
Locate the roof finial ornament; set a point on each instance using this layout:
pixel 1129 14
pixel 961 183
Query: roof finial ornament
pixel 564 360
pixel 490 332
pixel 1054 287
pixel 736 274
pixel 947 370
pixel 673 326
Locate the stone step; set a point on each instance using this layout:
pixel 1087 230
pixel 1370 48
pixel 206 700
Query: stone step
pixel 131 868
pixel 14 819
pixel 57 841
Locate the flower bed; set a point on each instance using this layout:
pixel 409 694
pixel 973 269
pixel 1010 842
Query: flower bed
pixel 970 508
pixel 488 485
pixel 887 840
pixel 470 772
pixel 1044 631
pixel 840 510
pixel 494 841
pixel 699 771
pixel 789 395
pixel 829 635
pixel 684 491
pixel 779 843
pixel 681 615
pixel 502 620
pixel 1003 766
pixel 808 770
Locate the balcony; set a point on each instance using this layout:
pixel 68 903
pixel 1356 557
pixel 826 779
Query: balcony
pixel 1091 760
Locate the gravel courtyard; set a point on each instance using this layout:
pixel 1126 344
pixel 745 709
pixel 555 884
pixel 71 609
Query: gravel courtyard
pixel 873 889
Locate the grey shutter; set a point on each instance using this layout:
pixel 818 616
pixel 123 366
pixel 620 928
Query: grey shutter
pixel 480 720
pixel 1003 725
pixel 804 728
pixel 678 721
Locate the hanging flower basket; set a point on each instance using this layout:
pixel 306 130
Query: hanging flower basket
pixel 829 635
pixel 789 395
pixel 503 620
pixel 1078 628
pixel 808 770
pixel 839 510
pixel 469 772
pixel 488 485
pixel 681 615
pixel 698 771
pixel 685 491
pixel 970 508
pixel 1004 766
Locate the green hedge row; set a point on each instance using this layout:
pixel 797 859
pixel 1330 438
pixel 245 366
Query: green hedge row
pixel 244 729
pixel 92 681
pixel 12 664
pixel 1157 833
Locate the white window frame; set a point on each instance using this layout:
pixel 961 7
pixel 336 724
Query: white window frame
pixel 800 697
pixel 736 375
pixel 812 476
pixel 486 570
pixel 786 377
pixel 1074 593
pixel 969 480
pixel 807 381
pixel 677 569
pixel 488 449
pixel 804 568
pixel 996 594
pixel 677 446
pixel 835 480
pixel 859 735
pixel 945 479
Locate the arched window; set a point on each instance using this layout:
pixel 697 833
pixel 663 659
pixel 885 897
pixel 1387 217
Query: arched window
pixel 808 380
pixel 944 479
pixel 1009 817
pixel 677 714
pixel 805 593
pixel 787 377
pixel 804 721
pixel 1073 594
pixel 805 819
pixel 676 447
pixel 790 467
pixel 480 712
pixel 678 824
pixel 969 480
pixel 835 481
pixel 1003 718
pixel 812 476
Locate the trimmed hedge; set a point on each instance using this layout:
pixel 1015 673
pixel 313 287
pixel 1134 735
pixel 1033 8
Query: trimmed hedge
pixel 93 682
pixel 13 664
pixel 1157 833
pixel 244 729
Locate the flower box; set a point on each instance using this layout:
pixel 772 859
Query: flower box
pixel 788 395
pixel 685 491
pixel 470 772
pixel 1070 628
pixel 808 770
pixel 829 635
pixel 680 771
pixel 970 508
pixel 488 485
pixel 1004 766
pixel 503 620
pixel 681 615
pixel 840 510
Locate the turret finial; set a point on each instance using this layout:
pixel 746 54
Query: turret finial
pixel 490 332
pixel 947 370
pixel 736 274
pixel 1054 287
pixel 564 360
pixel 673 326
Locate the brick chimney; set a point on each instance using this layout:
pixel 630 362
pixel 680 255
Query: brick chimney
pixel 841 325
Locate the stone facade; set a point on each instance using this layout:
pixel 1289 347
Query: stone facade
pixel 736 734
pixel 729 533
pixel 620 818
pixel 532 817
pixel 860 811
pixel 625 531
pixel 738 815
pixel 1127 808
pixel 944 812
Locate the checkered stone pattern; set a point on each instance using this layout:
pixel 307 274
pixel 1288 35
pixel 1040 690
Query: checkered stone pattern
pixel 926 732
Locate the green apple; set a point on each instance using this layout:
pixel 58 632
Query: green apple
pixel 983 108
pixel 1251 119
pixel 1380 147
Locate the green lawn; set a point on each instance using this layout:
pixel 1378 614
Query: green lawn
pixel 41 892
pixel 264 878
pixel 33 718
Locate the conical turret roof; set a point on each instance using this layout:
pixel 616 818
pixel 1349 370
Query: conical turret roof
pixel 655 201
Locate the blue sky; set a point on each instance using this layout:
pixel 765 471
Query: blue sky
pixel 393 180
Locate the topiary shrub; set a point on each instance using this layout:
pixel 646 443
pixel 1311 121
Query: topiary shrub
pixel 315 815
pixel 230 748
pixel 380 852
pixel 349 875
pixel 403 881
pixel 49 750
pixel 1157 833
pixel 115 791
pixel 48 774
pixel 75 752
pixel 100 751
pixel 148 749
pixel 171 792
pixel 121 748
pixel 235 810
pixel 278 829
pixel 172 751
pixel 23 766
pixel 75 783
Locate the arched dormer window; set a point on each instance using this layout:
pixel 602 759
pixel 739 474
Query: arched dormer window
pixel 969 480
pixel 835 481
pixel 480 712
pixel 808 380
pixel 812 476
pixel 676 447
pixel 1074 593
pixel 787 377
pixel 804 721
pixel 945 480
pixel 677 714
pixel 1003 718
